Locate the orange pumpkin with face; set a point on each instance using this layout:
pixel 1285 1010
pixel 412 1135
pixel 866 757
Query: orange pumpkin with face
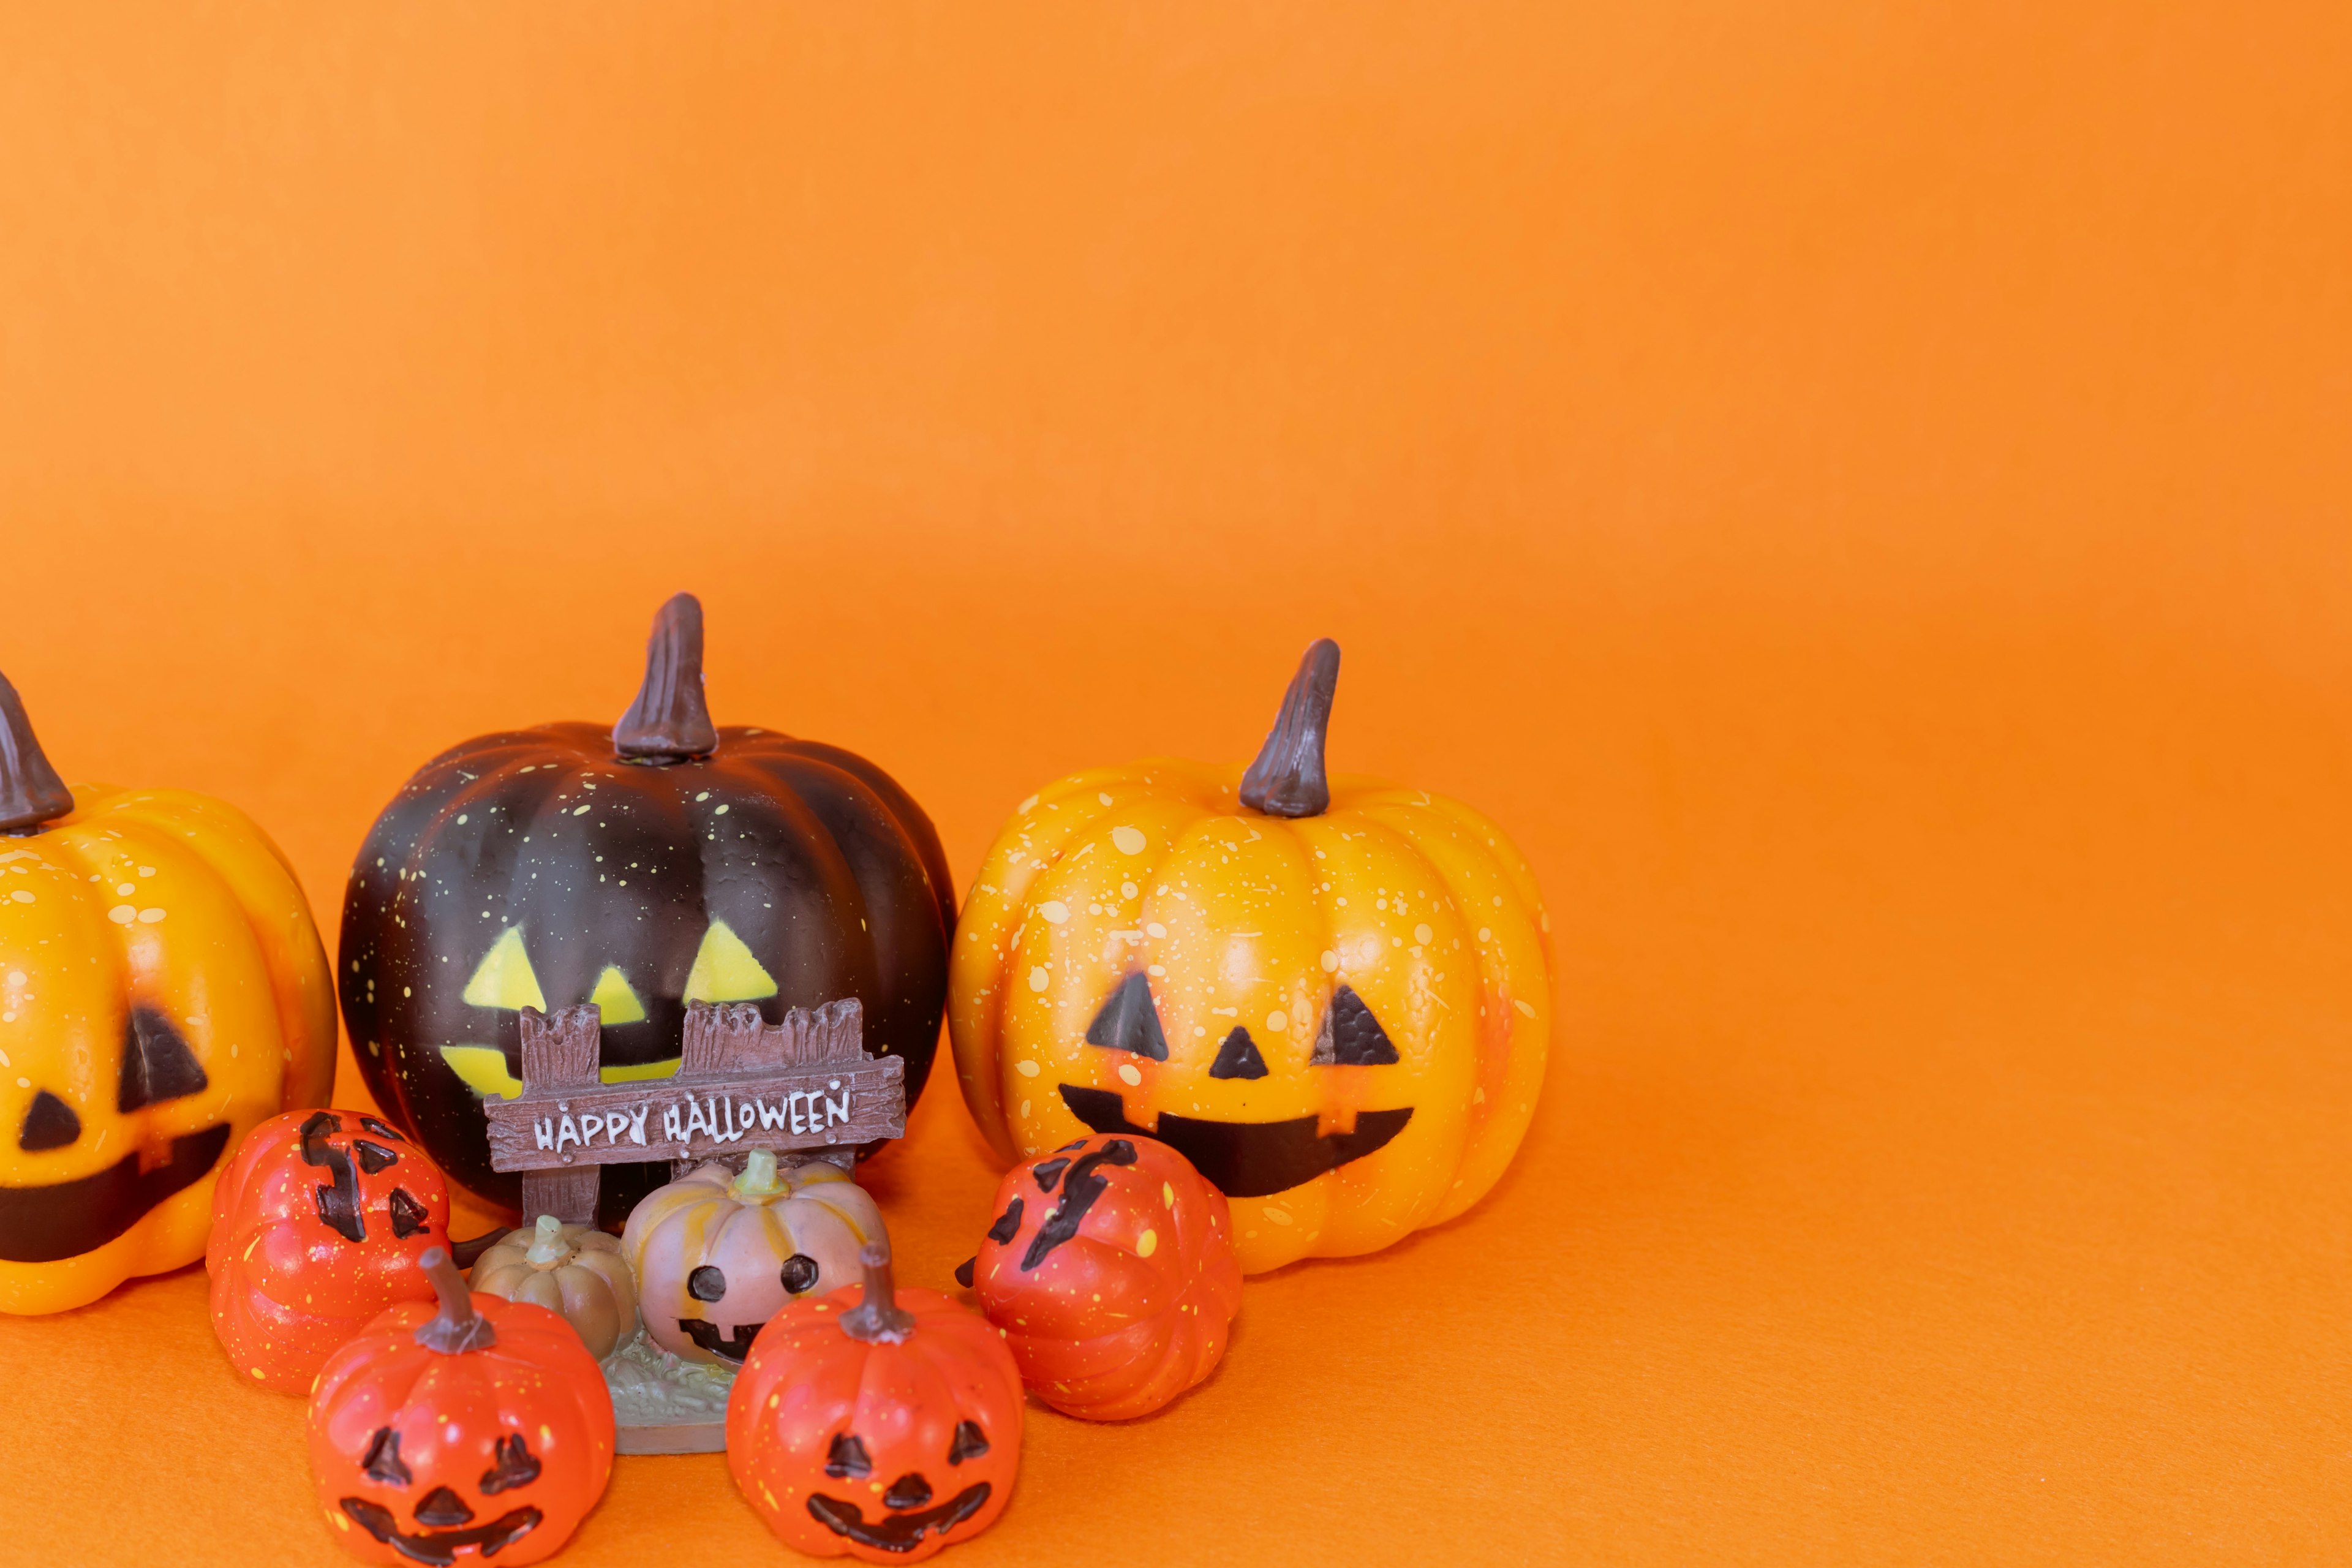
pixel 1332 996
pixel 161 992
pixel 482 1428
pixel 887 1427
pixel 317 1224
pixel 1110 1271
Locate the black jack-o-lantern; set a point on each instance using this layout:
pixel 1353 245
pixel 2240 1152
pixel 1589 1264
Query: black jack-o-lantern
pixel 640 868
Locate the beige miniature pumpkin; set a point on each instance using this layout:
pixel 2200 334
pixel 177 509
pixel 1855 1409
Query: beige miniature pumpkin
pixel 718 1253
pixel 572 1270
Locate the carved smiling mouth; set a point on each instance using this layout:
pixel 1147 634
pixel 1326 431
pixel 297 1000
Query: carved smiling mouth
pixel 65 1219
pixel 440 1547
pixel 1244 1159
pixel 733 1347
pixel 899 1531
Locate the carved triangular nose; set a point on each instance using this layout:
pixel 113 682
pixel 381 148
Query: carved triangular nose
pixel 1350 1036
pixel 1128 1022
pixel 1238 1058
pixel 156 1062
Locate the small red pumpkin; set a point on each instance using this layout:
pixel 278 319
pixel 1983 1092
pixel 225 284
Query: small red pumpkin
pixel 1110 1268
pixel 317 1224
pixel 885 1429
pixel 484 1424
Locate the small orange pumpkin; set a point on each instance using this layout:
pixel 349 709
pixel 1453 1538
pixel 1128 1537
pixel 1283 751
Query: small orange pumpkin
pixel 317 1223
pixel 1110 1270
pixel 886 1428
pixel 576 1270
pixel 483 1425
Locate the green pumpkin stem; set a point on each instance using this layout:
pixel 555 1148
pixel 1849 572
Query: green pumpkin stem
pixel 1288 778
pixel 760 1178
pixel 457 1328
pixel 669 722
pixel 878 1319
pixel 30 791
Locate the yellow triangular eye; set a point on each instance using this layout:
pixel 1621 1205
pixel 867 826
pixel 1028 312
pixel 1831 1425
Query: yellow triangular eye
pixel 725 971
pixel 615 1002
pixel 504 978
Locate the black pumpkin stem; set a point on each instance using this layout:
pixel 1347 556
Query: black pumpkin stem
pixel 879 1318
pixel 30 791
pixel 457 1328
pixel 1287 779
pixel 669 722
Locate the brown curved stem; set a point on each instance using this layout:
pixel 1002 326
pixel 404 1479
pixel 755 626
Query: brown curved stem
pixel 669 722
pixel 878 1317
pixel 30 791
pixel 1288 778
pixel 457 1328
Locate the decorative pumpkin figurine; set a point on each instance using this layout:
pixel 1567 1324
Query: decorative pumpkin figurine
pixel 641 868
pixel 575 1270
pixel 887 1427
pixel 1110 1271
pixel 317 1224
pixel 1331 998
pixel 161 992
pixel 482 1424
pixel 717 1254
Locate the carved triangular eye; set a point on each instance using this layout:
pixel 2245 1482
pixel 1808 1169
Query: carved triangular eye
pixel 49 1124
pixel 847 1459
pixel 1128 1022
pixel 1350 1036
pixel 157 1064
pixel 505 978
pixel 969 1443
pixel 1238 1058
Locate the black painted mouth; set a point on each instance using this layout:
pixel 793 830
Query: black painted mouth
pixel 734 1347
pixel 1244 1159
pixel 899 1531
pixel 65 1219
pixel 440 1547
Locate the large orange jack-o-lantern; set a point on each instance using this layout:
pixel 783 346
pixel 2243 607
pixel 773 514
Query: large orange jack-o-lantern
pixel 161 992
pixel 1332 998
pixel 640 867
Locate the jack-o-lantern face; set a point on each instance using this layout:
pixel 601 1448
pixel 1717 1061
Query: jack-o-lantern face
pixel 317 1223
pixel 484 1427
pixel 161 992
pixel 887 1427
pixel 1331 998
pixel 567 864
pixel 718 1253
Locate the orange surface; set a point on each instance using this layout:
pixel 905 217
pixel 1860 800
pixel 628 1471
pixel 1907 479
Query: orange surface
pixel 1861 493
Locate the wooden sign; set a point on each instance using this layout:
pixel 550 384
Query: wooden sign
pixel 805 1085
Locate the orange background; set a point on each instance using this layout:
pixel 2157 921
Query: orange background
pixel 1862 496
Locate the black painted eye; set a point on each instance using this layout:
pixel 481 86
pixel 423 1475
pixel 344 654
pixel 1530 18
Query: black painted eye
pixel 49 1124
pixel 1350 1036
pixel 910 1490
pixel 384 1463
pixel 1007 1224
pixel 516 1466
pixel 408 1216
pixel 706 1284
pixel 1128 1022
pixel 372 1157
pixel 1050 1171
pixel 379 1130
pixel 847 1459
pixel 156 1062
pixel 799 1273
pixel 969 1443
pixel 1238 1058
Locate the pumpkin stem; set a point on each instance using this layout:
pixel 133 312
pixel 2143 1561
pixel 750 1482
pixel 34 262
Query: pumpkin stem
pixel 878 1317
pixel 669 722
pixel 759 1179
pixel 30 791
pixel 457 1328
pixel 1287 779
pixel 548 1246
